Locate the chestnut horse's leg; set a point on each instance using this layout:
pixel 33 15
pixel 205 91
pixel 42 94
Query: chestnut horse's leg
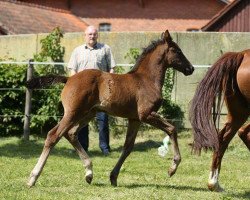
pixel 133 127
pixel 237 115
pixel 157 121
pixel 244 134
pixel 72 138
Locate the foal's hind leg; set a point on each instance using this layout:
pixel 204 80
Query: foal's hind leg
pixel 133 127
pixel 54 135
pixel 72 138
pixel 157 121
pixel 51 140
pixel 237 115
pixel 244 134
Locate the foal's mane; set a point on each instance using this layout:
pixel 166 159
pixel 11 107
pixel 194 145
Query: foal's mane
pixel 145 52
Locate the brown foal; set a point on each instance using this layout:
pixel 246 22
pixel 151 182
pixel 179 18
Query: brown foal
pixel 136 96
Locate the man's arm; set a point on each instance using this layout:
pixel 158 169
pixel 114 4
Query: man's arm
pixel 110 60
pixel 72 64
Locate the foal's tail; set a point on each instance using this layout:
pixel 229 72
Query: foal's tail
pixel 44 81
pixel 220 80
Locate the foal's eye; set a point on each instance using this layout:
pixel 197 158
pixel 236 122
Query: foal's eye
pixel 173 50
pixel 176 51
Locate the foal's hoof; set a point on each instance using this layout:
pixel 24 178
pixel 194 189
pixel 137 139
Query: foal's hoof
pixel 89 178
pixel 113 183
pixel 30 185
pixel 31 181
pixel 113 180
pixel 171 172
pixel 215 187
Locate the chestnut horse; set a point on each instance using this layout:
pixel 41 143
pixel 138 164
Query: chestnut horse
pixel 136 95
pixel 227 80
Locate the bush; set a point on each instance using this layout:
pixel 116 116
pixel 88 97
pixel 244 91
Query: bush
pixel 45 103
pixel 46 106
pixel 12 101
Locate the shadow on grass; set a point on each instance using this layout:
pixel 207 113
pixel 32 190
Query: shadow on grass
pixel 141 146
pixel 134 186
pixel 30 149
pixel 244 195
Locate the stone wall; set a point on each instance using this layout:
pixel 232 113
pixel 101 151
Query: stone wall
pixel 200 48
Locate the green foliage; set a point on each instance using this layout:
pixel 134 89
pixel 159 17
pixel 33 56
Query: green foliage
pixel 132 55
pixel 169 109
pixel 119 70
pixel 51 47
pixel 45 103
pixel 12 101
pixel 46 108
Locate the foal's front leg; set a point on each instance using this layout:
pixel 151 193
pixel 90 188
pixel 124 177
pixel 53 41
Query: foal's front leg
pixel 159 122
pixel 133 127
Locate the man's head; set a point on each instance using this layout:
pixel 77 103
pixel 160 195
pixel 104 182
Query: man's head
pixel 91 35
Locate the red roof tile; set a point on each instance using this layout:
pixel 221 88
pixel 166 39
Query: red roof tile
pixel 24 18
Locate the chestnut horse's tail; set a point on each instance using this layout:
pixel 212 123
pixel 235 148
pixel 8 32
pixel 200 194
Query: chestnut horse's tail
pixel 220 80
pixel 44 81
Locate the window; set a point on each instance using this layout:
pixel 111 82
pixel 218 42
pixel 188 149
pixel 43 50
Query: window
pixel 104 27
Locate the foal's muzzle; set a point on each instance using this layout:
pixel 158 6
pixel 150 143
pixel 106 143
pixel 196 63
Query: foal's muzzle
pixel 189 70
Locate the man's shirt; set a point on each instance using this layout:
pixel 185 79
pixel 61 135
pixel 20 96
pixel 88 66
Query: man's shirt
pixel 99 57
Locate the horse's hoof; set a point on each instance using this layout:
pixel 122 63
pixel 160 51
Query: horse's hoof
pixel 215 187
pixel 171 172
pixel 30 185
pixel 89 178
pixel 113 183
pixel 31 182
pixel 113 180
pixel 175 164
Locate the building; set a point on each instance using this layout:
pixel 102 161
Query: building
pixel 233 18
pixel 34 16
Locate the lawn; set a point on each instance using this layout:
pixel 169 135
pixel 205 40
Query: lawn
pixel 143 175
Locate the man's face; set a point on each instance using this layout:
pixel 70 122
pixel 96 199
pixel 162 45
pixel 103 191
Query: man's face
pixel 91 36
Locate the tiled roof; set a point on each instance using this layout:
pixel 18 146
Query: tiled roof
pixel 154 15
pixel 25 18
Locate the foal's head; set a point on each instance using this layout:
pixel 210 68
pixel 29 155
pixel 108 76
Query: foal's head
pixel 174 56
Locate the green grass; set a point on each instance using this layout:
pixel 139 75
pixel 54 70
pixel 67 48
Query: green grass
pixel 143 175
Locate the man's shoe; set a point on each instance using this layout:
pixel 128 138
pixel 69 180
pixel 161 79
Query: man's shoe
pixel 105 152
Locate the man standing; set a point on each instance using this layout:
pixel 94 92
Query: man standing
pixel 93 55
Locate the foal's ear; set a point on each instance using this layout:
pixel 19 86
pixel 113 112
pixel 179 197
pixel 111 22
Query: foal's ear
pixel 166 36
